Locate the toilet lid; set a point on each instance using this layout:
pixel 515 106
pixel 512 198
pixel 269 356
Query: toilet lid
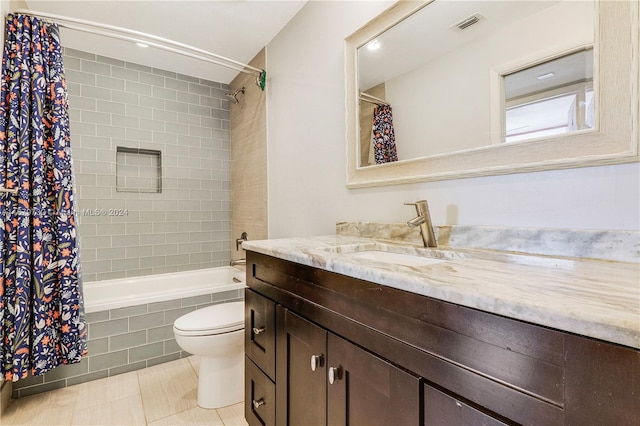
pixel 215 319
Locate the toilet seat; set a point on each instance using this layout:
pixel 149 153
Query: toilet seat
pixel 216 319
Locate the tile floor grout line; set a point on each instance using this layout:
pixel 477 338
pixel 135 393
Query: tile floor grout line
pixel 144 412
pixel 219 417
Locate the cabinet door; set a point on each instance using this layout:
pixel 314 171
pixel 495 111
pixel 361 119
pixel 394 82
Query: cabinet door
pixel 302 388
pixel 259 396
pixel 260 332
pixel 441 409
pixel 366 390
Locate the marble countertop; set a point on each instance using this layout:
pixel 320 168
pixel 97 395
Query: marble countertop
pixel 595 298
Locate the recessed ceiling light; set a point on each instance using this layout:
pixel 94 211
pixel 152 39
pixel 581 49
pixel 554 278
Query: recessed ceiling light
pixel 374 45
pixel 141 44
pixel 545 76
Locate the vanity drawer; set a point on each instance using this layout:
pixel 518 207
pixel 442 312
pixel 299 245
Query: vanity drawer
pixel 259 396
pixel 260 332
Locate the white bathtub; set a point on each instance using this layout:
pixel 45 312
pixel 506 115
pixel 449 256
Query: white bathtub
pixel 119 293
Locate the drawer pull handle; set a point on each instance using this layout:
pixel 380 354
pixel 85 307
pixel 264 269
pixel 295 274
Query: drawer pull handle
pixel 258 403
pixel 335 373
pixel 257 330
pixel 316 362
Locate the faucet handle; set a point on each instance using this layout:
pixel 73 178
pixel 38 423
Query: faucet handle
pixel 242 239
pixel 421 206
pixel 413 204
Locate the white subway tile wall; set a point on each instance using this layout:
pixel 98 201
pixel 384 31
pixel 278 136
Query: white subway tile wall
pixel 187 225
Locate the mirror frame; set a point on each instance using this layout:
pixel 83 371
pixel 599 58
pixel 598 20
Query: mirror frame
pixel 614 140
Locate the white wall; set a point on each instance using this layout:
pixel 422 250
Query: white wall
pixel 4 9
pixel 306 153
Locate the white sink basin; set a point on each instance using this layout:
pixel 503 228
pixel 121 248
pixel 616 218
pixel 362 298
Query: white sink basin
pixel 393 258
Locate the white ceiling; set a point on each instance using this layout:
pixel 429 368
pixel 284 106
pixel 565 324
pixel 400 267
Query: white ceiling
pixel 427 36
pixel 236 29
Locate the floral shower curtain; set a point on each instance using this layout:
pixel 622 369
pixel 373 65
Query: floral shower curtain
pixel 384 138
pixel 41 308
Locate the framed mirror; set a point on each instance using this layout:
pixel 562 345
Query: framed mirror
pixel 452 89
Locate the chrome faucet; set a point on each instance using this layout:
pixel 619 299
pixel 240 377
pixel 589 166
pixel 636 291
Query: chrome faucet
pixel 242 239
pixel 239 241
pixel 423 220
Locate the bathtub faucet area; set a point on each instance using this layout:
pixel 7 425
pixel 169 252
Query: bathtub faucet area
pixel 242 239
pixel 239 241
pixel 235 262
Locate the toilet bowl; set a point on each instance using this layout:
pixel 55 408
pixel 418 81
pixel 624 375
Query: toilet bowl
pixel 216 334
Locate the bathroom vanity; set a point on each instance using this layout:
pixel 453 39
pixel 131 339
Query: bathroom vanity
pixel 335 339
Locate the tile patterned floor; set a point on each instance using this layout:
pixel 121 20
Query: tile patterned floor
pixel 161 395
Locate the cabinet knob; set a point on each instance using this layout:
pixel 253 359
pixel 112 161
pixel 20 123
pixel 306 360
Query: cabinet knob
pixel 257 330
pixel 316 361
pixel 258 403
pixel 335 373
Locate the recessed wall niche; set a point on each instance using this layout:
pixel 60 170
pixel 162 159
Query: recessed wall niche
pixel 138 170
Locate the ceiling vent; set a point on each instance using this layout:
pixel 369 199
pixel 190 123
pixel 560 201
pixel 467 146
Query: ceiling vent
pixel 467 22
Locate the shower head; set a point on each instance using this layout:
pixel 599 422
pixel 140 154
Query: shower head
pixel 233 96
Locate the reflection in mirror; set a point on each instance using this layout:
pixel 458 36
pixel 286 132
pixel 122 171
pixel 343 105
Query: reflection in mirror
pixel 441 66
pixel 377 133
pixel 551 98
pixel 434 69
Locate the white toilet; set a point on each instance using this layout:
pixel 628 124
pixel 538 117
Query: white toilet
pixel 216 334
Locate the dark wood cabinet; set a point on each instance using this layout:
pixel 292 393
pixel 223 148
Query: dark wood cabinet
pixel 441 409
pixel 260 396
pixel 366 390
pixel 260 360
pixel 325 380
pixel 302 387
pixel 260 332
pixel 398 358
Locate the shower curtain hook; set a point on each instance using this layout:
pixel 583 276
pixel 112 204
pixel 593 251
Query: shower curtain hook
pixel 261 80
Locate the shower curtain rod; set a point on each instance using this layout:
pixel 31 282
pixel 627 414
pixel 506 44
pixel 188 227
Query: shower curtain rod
pixel 140 37
pixel 372 99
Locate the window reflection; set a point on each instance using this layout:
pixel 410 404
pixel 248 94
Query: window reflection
pixel 551 98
